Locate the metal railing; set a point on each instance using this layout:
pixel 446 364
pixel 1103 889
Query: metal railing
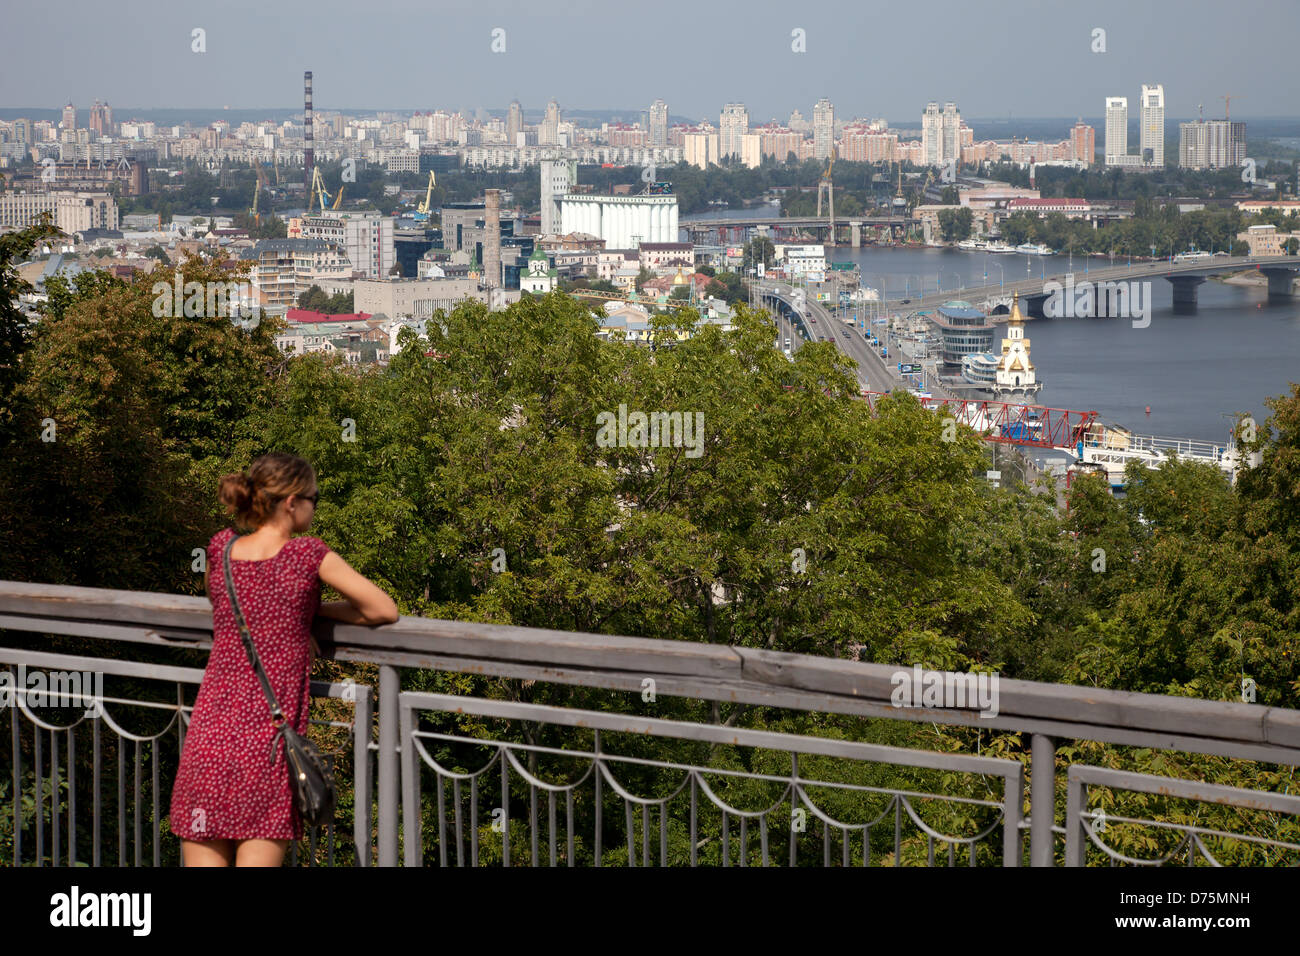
pixel 453 769
pixel 144 759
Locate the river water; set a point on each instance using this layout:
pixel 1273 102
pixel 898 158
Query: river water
pixel 1192 370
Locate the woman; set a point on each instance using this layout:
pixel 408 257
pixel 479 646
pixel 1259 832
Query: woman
pixel 230 803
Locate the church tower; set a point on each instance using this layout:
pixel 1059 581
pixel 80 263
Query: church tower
pixel 1016 381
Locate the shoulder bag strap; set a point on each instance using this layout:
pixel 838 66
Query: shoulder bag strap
pixel 244 634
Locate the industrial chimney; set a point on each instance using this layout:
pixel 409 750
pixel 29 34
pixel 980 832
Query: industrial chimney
pixel 309 152
pixel 492 239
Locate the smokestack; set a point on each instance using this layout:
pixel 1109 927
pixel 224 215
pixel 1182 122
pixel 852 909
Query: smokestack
pixel 492 239
pixel 309 153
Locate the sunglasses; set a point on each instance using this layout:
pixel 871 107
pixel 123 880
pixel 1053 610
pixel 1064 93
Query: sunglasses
pixel 312 498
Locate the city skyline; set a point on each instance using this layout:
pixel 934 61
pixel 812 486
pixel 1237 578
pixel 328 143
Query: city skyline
pixel 1051 51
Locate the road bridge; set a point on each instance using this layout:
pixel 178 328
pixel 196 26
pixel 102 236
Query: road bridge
pixel 1185 276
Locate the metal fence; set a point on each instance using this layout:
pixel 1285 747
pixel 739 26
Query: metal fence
pixel 473 781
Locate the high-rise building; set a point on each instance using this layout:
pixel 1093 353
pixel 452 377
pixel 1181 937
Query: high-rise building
pixel 22 130
pixel 549 132
pixel 1211 144
pixel 1083 143
pixel 951 142
pixel 658 123
pixel 798 123
pixel 1116 128
pixel 514 123
pixel 931 135
pixel 69 116
pixel 1152 130
pixel 823 130
pixel 101 119
pixel 732 124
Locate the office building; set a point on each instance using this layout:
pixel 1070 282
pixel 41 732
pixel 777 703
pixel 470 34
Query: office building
pixel 1116 129
pixel 1151 134
pixel 69 117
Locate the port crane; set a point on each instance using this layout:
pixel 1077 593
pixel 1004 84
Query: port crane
pixel 422 211
pixel 318 185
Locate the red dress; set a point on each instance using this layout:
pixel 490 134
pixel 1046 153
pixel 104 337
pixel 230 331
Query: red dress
pixel 226 785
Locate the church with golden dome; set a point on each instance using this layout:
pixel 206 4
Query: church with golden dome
pixel 1016 380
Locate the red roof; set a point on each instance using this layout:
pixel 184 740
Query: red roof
pixel 307 315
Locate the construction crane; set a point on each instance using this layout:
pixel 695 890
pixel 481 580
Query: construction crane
pixel 339 198
pixel 421 213
pixel 318 185
pixel 1227 104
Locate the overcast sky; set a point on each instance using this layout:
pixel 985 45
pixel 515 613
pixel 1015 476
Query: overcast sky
pixel 994 58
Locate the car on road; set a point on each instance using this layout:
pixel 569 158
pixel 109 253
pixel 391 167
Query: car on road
pixel 907 302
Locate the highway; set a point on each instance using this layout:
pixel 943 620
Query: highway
pixel 873 372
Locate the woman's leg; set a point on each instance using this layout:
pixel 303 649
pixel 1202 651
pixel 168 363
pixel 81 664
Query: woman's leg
pixel 208 852
pixel 260 852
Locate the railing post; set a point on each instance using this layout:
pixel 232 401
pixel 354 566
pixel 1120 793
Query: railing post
pixel 1076 801
pixel 1042 800
pixel 389 688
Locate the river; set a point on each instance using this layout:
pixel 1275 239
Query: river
pixel 1192 370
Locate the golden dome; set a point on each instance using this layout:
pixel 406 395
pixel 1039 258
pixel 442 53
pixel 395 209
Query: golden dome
pixel 1015 308
pixel 679 279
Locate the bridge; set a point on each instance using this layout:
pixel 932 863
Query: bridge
pixel 698 229
pixel 1185 277
pixel 633 782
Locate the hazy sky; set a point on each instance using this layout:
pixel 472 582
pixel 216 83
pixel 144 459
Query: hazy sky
pixel 994 58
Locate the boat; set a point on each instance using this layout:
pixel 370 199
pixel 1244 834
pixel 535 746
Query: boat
pixel 1033 249
pixel 1000 248
pixel 969 244
pixel 1192 256
pixel 980 368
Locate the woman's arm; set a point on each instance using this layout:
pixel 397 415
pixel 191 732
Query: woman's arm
pixel 364 602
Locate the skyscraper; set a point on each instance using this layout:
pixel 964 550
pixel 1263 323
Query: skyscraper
pixel 951 149
pixel 931 135
pixel 549 134
pixel 823 130
pixel 69 116
pixel 1152 130
pixel 732 124
pixel 658 123
pixel 514 123
pixel 1083 143
pixel 1116 129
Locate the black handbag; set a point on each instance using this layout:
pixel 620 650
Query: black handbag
pixel 311 776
